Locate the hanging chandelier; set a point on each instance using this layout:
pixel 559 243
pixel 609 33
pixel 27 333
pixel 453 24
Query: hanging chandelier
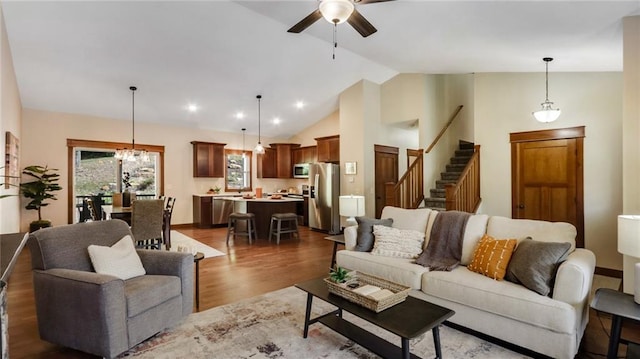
pixel 547 113
pixel 131 155
pixel 259 148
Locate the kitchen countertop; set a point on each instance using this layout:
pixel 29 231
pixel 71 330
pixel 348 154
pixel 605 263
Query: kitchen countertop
pixel 266 199
pixel 236 194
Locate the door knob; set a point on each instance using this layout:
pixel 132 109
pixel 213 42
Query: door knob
pixel 521 206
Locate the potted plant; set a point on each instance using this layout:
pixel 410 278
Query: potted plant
pixel 339 275
pixel 39 191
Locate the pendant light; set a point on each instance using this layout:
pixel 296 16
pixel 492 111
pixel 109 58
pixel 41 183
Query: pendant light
pixel 547 113
pixel 131 154
pixel 259 148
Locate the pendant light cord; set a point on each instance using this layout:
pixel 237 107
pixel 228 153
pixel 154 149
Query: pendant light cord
pixel 259 97
pixel 133 117
pixel 546 62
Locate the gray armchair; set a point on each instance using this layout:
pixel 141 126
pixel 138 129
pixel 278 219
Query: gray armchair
pixel 102 314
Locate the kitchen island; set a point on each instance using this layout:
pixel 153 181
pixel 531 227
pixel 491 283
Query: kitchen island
pixel 263 209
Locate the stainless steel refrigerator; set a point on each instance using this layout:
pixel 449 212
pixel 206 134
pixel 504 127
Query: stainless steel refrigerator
pixel 324 191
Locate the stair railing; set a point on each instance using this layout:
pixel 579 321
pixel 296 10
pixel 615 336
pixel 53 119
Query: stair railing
pixel 408 192
pixel 444 129
pixel 465 194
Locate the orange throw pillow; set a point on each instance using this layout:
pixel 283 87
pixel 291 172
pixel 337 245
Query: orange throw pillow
pixel 492 256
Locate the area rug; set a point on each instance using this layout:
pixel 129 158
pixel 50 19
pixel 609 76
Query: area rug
pixel 270 326
pixel 178 239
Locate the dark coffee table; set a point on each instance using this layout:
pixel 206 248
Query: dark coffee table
pixel 408 320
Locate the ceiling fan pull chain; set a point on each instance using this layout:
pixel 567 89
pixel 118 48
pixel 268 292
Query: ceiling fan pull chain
pixel 335 38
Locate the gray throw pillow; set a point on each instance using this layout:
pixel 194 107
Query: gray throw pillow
pixel 534 264
pixel 365 239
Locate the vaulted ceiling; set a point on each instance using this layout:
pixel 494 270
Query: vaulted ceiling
pixel 81 57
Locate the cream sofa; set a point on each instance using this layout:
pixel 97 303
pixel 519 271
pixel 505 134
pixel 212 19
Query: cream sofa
pixel 552 326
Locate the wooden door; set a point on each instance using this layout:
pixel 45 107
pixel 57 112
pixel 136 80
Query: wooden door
pixel 547 177
pixel 386 170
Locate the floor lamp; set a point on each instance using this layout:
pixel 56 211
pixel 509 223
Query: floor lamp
pixel 629 244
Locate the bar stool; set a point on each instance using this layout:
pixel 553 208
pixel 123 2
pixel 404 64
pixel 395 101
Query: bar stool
pixel 250 221
pixel 291 221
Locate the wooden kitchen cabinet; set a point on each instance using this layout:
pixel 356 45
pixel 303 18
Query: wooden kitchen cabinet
pixel 208 159
pixel 305 154
pixel 277 162
pixel 267 164
pixel 328 149
pixel 202 211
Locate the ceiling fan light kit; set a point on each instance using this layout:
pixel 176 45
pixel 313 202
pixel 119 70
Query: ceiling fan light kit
pixel 547 113
pixel 336 11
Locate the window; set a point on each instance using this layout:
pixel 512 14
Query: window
pixel 238 171
pixel 94 172
pixel 98 175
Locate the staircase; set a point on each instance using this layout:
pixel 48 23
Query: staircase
pixel 454 169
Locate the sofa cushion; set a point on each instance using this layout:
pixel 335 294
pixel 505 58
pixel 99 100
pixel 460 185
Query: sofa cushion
pixel 120 260
pixel 365 237
pixel 394 242
pixel 398 270
pixel 534 264
pixel 502 298
pixel 148 291
pixel 415 219
pixel 502 227
pixel 492 256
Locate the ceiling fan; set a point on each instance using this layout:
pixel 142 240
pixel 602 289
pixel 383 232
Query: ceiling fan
pixel 337 12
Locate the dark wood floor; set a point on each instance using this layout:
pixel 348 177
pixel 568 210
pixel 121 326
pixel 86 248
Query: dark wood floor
pixel 246 271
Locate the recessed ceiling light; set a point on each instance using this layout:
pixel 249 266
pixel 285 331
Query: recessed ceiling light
pixel 276 120
pixel 192 107
pixel 299 105
pixel 240 115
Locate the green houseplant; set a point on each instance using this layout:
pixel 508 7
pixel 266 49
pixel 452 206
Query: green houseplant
pixel 39 191
pixel 338 275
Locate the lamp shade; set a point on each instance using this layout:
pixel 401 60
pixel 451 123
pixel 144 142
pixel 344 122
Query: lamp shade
pixel 336 11
pixel 629 235
pixel 351 206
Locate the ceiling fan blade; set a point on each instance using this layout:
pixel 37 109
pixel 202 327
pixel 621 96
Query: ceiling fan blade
pixel 362 2
pixel 306 22
pixel 361 24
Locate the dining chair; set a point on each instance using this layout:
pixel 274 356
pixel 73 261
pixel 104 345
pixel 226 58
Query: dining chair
pixel 93 213
pixel 166 221
pixel 147 216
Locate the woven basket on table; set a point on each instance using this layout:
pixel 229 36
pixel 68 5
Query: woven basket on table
pixel 400 291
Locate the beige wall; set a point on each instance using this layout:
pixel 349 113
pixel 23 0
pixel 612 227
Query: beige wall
pixel 48 147
pixel 10 112
pixel 503 104
pixel 327 126
pixel 631 133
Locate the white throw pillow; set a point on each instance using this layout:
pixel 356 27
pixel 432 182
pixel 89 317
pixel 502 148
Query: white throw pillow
pixel 120 260
pixel 394 242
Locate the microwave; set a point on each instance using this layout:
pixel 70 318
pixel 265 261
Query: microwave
pixel 301 170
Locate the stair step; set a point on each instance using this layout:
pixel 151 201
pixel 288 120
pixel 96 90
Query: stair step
pixel 450 175
pixel 464 153
pixel 438 192
pixel 459 160
pixel 435 202
pixel 456 167
pixel 440 184
pixel 465 145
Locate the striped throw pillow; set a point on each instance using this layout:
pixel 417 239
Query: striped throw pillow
pixel 492 256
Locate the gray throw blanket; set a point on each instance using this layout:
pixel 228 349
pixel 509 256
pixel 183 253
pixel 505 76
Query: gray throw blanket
pixel 444 249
